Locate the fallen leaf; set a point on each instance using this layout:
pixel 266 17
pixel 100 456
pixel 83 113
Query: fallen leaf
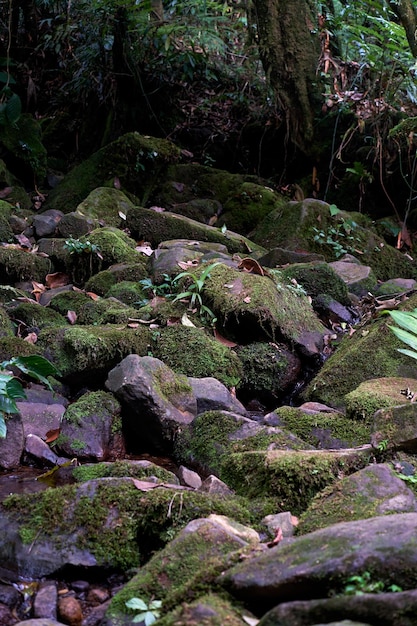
pixel 294 520
pixel 223 340
pixel 133 325
pixel 212 220
pixel 185 321
pixel 31 338
pixel 252 266
pixel 92 295
pixel 278 537
pixel 185 265
pixel 173 321
pixel 57 279
pixel 178 187
pixel 252 621
pixel 247 299
pixel 122 215
pixel 157 209
pixel 37 290
pixel 116 183
pixel 145 249
pixel 52 435
pixel 23 240
pixel 72 317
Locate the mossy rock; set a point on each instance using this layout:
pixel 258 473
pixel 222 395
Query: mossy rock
pixel 268 371
pixel 372 491
pixel 215 435
pixel 93 311
pixel 184 570
pixel 128 292
pixel 248 205
pixel 101 282
pixel 111 519
pixel 374 394
pixel 148 225
pixel 107 205
pixel 16 265
pixel 318 279
pixel 15 346
pixel 6 232
pixel 291 478
pixel 80 351
pixel 251 307
pixel 294 226
pixel 208 610
pixel 35 317
pixel 324 430
pixel 6 325
pixel 23 140
pixel 371 352
pixel 138 162
pixel 141 470
pixel 191 351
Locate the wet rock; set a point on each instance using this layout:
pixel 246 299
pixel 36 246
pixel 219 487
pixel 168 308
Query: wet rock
pixel 45 603
pixel 281 256
pixel 212 395
pixel 38 418
pixel 11 447
pixel 284 521
pixel 7 617
pixel 359 279
pixel 70 611
pixel 39 450
pixel 189 478
pixel 158 401
pixel 397 426
pixel 314 564
pixel 396 286
pixel 95 617
pixel 74 225
pixel 45 223
pixel 374 490
pixel 39 621
pixel 375 394
pixel 384 609
pixel 214 485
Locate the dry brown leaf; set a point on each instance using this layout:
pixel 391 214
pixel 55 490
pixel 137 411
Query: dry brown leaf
pixel 173 321
pixel 133 325
pixel 72 317
pixel 250 265
pixel 92 295
pixel 52 435
pixel 278 537
pixel 185 321
pixel 145 248
pixel 223 340
pixel 57 279
pixel 37 290
pixel 31 338
pixel 294 520
pixel 212 220
pixel 247 299
pixel 185 265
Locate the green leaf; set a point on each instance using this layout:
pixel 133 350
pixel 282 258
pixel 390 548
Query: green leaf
pixel 35 366
pixel 406 337
pixel 408 353
pixel 137 604
pixel 333 210
pixel 406 319
pixel 14 389
pixel 8 405
pixel 3 427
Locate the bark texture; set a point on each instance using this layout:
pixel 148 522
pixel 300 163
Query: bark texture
pixel 289 48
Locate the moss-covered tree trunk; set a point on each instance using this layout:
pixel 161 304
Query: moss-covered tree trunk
pixel 289 47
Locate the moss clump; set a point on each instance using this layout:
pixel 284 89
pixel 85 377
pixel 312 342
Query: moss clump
pixel 268 369
pixel 200 355
pixel 140 470
pixel 105 204
pixel 248 205
pixel 371 352
pixel 317 279
pixel 89 311
pixel 95 349
pixel 35 316
pixel 16 265
pixel 114 520
pixel 207 610
pixel 15 346
pixel 101 282
pixel 291 478
pixel 6 326
pixel 374 394
pixel 100 403
pixel 128 292
pixel 324 430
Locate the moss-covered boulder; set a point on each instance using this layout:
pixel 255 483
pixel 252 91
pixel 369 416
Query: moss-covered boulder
pixel 371 352
pixel 269 370
pixel 374 394
pixel 396 427
pixel 183 571
pixel 322 429
pixel 140 470
pixel 290 478
pixel 92 310
pixel 89 352
pixel 155 227
pixel 215 435
pixel 115 523
pixel 18 265
pixel 138 162
pixel 208 610
pixel 6 232
pixel 318 279
pixel 32 317
pixel 107 205
pixel 127 292
pixel 200 356
pixel 252 307
pixel 91 428
pixel 6 325
pixel 102 282
pixel 16 346
pixel 374 490
pixel 311 225
pixel 248 205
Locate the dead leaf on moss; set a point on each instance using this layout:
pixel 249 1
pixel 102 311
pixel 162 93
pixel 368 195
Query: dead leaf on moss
pixel 247 299
pixel 252 266
pixel 185 265
pixel 223 340
pixel 185 321
pixel 57 279
pixel 38 290
pixel 23 240
pixel 31 338
pixel 92 295
pixel 72 317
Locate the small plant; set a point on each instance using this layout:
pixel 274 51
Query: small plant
pixel 149 613
pixel 359 584
pixel 383 445
pixel 11 388
pixel 339 236
pixel 75 246
pixel 165 289
pixel 407 333
pixel 196 284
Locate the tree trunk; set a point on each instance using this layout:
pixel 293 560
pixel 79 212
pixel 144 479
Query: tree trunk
pixel 407 14
pixel 289 48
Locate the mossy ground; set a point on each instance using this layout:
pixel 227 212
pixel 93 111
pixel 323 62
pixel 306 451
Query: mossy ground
pixel 374 394
pixel 318 278
pixel 31 315
pixel 119 469
pixel 16 266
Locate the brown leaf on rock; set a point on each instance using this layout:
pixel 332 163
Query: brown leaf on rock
pixel 72 317
pixel 278 537
pixel 250 265
pixel 38 290
pixel 185 265
pixel 92 295
pixel 52 435
pixel 57 279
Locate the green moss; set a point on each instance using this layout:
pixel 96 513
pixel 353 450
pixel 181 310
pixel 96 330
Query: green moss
pixel 16 265
pixel 313 428
pixel 89 311
pixel 100 403
pixel 371 352
pixel 291 478
pixel 209 610
pixel 169 383
pixel 101 282
pixel 127 292
pixel 200 355
pixel 248 205
pixel 317 279
pixel 374 394
pixel 6 326
pixel 119 469
pixel 31 315
pixel 15 346
pixel 105 204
